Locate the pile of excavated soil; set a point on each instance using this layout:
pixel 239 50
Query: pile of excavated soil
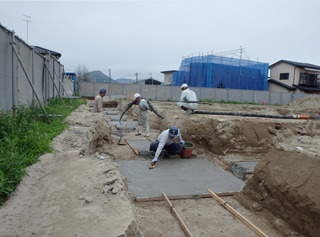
pixel 79 191
pixel 76 191
pixel 286 184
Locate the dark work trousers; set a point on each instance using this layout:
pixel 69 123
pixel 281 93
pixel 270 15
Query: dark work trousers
pixel 174 148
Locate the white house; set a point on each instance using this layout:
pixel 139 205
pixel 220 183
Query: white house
pixel 168 77
pixel 294 76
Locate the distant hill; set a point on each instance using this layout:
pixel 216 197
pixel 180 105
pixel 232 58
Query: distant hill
pixel 99 76
pixel 125 80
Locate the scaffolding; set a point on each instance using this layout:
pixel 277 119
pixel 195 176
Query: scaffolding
pixel 217 71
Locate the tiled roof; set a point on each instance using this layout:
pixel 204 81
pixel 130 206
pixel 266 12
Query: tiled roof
pixel 297 64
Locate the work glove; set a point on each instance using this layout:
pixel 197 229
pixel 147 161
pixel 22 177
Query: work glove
pixel 155 159
pixel 182 142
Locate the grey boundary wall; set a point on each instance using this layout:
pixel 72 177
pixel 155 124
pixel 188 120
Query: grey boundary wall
pixel 27 76
pixel 172 93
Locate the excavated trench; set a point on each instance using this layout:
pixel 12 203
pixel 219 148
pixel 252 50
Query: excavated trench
pixel 225 140
pixel 79 190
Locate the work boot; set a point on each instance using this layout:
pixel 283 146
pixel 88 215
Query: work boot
pixel 184 108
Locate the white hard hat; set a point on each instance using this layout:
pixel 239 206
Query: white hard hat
pixel 136 95
pixel 184 85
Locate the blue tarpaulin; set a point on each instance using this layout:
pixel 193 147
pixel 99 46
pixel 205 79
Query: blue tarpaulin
pixel 214 71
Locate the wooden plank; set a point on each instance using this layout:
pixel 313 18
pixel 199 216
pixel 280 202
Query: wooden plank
pixel 237 214
pixel 132 148
pixel 176 215
pixel 178 197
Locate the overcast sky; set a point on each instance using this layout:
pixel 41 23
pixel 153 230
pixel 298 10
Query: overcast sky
pixel 150 36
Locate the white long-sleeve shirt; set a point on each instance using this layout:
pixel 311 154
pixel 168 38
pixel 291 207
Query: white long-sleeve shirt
pixel 164 139
pixel 188 95
pixel 143 105
pixel 98 103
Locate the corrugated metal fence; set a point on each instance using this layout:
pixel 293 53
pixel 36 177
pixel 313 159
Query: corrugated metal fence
pixel 27 76
pixel 172 93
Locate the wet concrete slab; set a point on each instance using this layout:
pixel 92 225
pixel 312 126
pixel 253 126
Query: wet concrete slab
pixel 142 146
pixel 111 112
pixel 128 125
pixel 117 117
pixel 124 125
pixel 108 109
pixel 241 168
pixel 177 177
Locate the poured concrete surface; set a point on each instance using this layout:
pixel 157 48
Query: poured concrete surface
pixel 176 177
pixel 142 146
pixel 117 117
pixel 123 124
pixel 128 125
pixel 111 112
pixel 242 168
pixel 108 109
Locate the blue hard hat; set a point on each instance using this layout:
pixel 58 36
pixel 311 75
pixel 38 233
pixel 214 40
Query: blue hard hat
pixel 173 131
pixel 102 90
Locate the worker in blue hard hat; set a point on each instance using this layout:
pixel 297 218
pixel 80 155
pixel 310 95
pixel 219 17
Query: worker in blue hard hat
pixel 98 100
pixel 188 99
pixel 166 142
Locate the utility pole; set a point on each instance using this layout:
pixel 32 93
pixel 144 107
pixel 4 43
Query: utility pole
pixel 151 78
pixel 28 21
pixel 136 78
pixel 110 83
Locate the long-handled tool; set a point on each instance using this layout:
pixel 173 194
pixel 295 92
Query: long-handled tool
pixel 121 135
pixel 120 144
pixel 132 148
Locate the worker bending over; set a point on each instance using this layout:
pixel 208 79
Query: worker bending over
pixel 144 106
pixel 166 141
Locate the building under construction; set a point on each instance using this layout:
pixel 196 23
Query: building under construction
pixel 215 71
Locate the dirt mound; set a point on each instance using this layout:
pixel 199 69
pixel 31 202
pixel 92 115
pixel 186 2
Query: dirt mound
pixel 286 184
pixel 88 131
pixel 76 191
pixel 310 102
pixel 307 106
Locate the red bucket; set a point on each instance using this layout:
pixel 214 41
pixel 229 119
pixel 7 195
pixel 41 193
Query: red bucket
pixel 187 150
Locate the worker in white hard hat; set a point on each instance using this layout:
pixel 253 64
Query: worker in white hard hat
pixel 98 100
pixel 143 118
pixel 188 99
pixel 144 106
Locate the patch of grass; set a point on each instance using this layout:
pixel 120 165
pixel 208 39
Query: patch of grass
pixel 25 136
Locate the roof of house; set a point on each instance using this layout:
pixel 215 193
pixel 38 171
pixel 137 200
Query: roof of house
pixel 44 51
pixel 281 84
pixel 152 81
pixel 169 71
pixel 308 89
pixel 297 64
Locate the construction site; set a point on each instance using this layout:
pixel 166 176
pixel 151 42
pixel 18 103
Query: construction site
pixel 247 175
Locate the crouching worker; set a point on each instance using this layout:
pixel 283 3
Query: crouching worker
pixel 188 99
pixel 166 141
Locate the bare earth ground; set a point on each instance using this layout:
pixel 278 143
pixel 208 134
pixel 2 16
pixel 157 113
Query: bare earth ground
pixel 79 191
